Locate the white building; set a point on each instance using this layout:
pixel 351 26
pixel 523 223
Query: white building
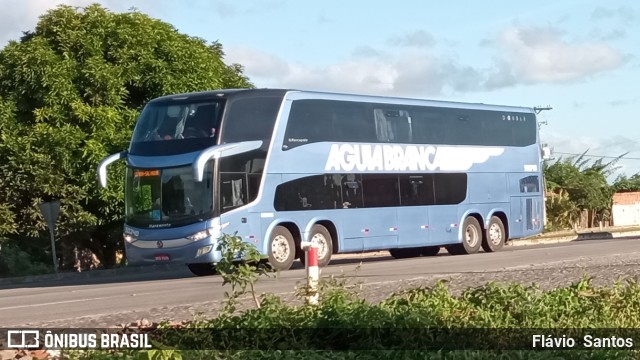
pixel 625 210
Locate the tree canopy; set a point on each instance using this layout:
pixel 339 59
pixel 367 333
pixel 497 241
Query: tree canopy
pixel 577 185
pixel 626 184
pixel 70 91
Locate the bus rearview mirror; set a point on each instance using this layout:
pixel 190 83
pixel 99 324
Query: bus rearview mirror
pixel 219 151
pixel 102 167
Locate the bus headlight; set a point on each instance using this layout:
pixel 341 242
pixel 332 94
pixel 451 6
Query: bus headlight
pixel 200 235
pixel 129 238
pixel 204 250
pixel 212 231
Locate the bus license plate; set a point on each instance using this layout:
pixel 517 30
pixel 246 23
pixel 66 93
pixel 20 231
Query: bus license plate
pixel 162 257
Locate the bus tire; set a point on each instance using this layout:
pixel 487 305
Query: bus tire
pixel 282 248
pixel 471 238
pixel 495 235
pixel 321 236
pixel 202 269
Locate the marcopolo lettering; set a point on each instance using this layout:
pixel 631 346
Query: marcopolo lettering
pixel 349 157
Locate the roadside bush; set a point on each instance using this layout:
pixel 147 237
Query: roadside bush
pixel 420 323
pixel 17 262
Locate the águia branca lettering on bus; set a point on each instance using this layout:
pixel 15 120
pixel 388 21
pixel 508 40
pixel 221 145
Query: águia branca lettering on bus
pixel 347 157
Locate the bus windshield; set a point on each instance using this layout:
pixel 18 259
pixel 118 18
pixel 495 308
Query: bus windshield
pixel 175 121
pixel 168 197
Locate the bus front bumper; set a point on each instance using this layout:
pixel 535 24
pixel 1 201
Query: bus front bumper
pixel 177 251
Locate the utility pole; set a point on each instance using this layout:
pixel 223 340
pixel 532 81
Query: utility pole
pixel 538 109
pixel 50 211
pixel 546 155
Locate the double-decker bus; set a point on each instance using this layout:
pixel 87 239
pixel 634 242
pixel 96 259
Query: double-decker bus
pixel 349 172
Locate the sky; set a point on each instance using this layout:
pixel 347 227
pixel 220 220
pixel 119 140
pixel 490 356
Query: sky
pixel 580 57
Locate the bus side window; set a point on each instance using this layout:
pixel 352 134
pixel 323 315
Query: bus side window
pixel 315 192
pixel 529 184
pixel 380 190
pixel 428 127
pixel 416 190
pixel 401 124
pixel 351 191
pixel 308 123
pixel 233 190
pixel 449 188
pixel 393 125
pixel 384 131
pixel 352 123
pixel 251 119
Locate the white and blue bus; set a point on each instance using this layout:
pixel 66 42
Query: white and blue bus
pixel 352 173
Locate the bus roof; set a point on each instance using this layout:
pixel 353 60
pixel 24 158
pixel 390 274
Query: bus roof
pixel 295 94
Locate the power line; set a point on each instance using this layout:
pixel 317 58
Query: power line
pixel 598 156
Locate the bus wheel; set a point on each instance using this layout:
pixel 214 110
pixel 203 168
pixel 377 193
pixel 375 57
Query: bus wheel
pixel 202 269
pixel 282 249
pixel 320 236
pixel 495 235
pixel 471 238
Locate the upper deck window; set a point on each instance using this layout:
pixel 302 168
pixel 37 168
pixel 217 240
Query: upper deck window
pixel 314 120
pixel 251 118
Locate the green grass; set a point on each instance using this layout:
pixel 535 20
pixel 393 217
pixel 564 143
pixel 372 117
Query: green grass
pixel 488 317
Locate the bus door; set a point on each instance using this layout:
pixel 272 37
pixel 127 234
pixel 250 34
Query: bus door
pixel 532 210
pixel 527 214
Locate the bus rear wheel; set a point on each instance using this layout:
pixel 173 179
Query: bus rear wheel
pixel 471 238
pixel 202 269
pixel 495 235
pixel 322 238
pixel 282 249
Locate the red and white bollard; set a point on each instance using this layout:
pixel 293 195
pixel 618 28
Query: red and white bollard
pixel 313 272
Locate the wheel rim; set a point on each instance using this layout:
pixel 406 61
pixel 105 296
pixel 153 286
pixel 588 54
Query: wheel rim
pixel 471 235
pixel 495 234
pixel 280 248
pixel 321 241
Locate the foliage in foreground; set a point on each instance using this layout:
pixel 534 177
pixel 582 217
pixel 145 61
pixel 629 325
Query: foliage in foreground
pixel 408 313
pixel 70 92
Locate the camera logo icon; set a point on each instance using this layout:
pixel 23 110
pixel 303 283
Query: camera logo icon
pixel 23 339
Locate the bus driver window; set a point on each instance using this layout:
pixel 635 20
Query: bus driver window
pixel 201 122
pixel 167 129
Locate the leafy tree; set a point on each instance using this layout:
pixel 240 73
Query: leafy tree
pixel 625 184
pixel 562 212
pixel 579 185
pixel 70 92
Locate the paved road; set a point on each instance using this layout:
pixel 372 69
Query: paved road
pixel 108 302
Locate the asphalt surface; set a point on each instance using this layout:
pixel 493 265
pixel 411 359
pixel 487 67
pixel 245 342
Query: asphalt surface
pixel 130 297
